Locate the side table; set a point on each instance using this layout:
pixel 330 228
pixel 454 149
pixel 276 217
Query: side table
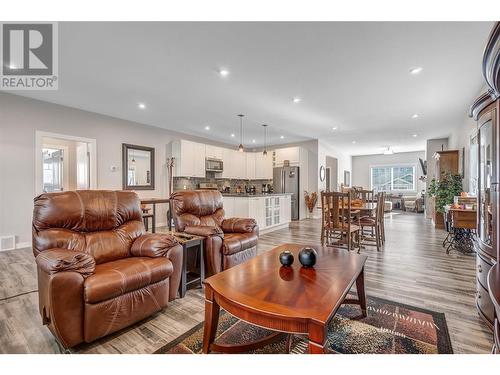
pixel 189 241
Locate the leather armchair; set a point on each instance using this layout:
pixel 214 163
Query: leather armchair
pixel 98 271
pixel 228 241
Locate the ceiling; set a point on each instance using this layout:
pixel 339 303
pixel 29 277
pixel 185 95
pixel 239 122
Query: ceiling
pixel 350 75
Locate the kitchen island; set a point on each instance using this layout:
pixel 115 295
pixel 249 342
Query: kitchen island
pixel 272 211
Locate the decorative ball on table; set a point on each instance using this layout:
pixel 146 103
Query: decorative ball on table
pixel 286 258
pixel 308 256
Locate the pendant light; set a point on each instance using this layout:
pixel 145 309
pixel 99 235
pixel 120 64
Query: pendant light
pixel 240 147
pixel 265 140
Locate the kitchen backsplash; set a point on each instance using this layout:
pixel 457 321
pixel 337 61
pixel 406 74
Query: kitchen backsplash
pixel 191 183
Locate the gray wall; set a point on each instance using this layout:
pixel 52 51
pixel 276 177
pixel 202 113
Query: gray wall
pixel 361 166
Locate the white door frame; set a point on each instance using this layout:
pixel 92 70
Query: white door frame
pixel 39 135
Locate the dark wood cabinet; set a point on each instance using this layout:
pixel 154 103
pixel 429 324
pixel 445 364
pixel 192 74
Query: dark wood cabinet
pixel 485 111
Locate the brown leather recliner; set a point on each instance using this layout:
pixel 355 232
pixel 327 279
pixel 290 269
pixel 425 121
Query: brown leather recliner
pixel 228 241
pixel 98 271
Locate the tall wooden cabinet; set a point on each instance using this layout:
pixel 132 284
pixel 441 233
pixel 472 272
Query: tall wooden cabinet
pixel 485 111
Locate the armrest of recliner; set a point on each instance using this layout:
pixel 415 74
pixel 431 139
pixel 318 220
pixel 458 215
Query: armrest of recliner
pixel 153 245
pixel 239 225
pixel 58 260
pixel 204 230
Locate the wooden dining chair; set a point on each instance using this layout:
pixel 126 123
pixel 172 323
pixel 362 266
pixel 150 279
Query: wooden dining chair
pixel 376 225
pixel 381 207
pixel 366 196
pixel 336 221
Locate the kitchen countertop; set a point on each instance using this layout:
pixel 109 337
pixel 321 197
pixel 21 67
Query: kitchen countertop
pixel 256 195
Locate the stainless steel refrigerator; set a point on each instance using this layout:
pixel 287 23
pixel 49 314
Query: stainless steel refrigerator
pixel 286 180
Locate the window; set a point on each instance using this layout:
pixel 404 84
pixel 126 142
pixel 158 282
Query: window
pixel 52 170
pixel 393 178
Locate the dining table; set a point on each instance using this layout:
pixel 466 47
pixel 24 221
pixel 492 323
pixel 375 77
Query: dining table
pixel 365 209
pixel 154 202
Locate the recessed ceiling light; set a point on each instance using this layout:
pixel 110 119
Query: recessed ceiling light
pixel 224 72
pixel 253 140
pixel 142 105
pixel 334 128
pixel 353 142
pixel 282 136
pixel 414 135
pixel 207 127
pixel 296 100
pixel 232 135
pixel 416 70
pixel 414 116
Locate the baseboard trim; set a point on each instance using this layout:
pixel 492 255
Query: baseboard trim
pixel 23 245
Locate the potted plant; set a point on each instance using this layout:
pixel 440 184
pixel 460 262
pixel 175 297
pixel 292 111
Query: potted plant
pixel 443 191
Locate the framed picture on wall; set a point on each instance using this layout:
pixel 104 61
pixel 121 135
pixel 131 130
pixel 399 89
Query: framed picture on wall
pixel 347 178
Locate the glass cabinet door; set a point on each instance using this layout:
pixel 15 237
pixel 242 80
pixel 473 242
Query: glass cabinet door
pixel 485 229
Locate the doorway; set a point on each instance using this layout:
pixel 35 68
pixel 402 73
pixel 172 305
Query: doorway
pixel 64 163
pixel 331 173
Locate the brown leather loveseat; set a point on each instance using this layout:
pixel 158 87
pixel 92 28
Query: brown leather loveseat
pixel 228 241
pixel 98 271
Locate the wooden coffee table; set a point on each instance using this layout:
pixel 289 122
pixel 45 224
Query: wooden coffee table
pixel 293 300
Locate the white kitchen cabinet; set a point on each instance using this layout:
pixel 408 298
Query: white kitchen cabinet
pixel 229 170
pixel 199 160
pixel 289 153
pixel 189 158
pixel 263 166
pixel 228 204
pixel 240 165
pixel 285 208
pixel 241 207
pixel 250 165
pixel 214 152
pixel 256 211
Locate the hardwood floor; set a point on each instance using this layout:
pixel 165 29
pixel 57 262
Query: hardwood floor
pixel 411 268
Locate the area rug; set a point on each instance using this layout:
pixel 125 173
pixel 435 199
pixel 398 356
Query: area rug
pixel 389 328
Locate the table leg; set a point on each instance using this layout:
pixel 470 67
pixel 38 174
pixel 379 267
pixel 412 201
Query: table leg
pixel 153 225
pixel 202 264
pixel 182 286
pixel 211 319
pixel 360 288
pixel 317 338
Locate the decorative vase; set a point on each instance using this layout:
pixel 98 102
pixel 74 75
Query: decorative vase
pixel 308 256
pixel 286 258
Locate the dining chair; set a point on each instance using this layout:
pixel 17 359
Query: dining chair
pixel 376 225
pixel 336 223
pixel 367 196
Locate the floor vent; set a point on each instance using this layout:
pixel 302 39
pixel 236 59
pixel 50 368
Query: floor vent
pixel 7 243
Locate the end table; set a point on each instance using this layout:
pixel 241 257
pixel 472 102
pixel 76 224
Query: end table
pixel 189 241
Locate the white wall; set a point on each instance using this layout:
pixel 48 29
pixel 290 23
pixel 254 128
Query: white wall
pixel 361 166
pixel 344 163
pixel 461 139
pixel 19 119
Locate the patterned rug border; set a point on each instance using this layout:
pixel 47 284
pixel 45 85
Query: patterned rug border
pixel 444 341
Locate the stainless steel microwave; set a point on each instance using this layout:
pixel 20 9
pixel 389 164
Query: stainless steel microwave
pixel 214 165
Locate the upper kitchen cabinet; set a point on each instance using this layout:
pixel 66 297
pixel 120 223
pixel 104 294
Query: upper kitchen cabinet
pixel 251 159
pixel 263 166
pixel 214 152
pixel 235 164
pixel 189 158
pixel 289 153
